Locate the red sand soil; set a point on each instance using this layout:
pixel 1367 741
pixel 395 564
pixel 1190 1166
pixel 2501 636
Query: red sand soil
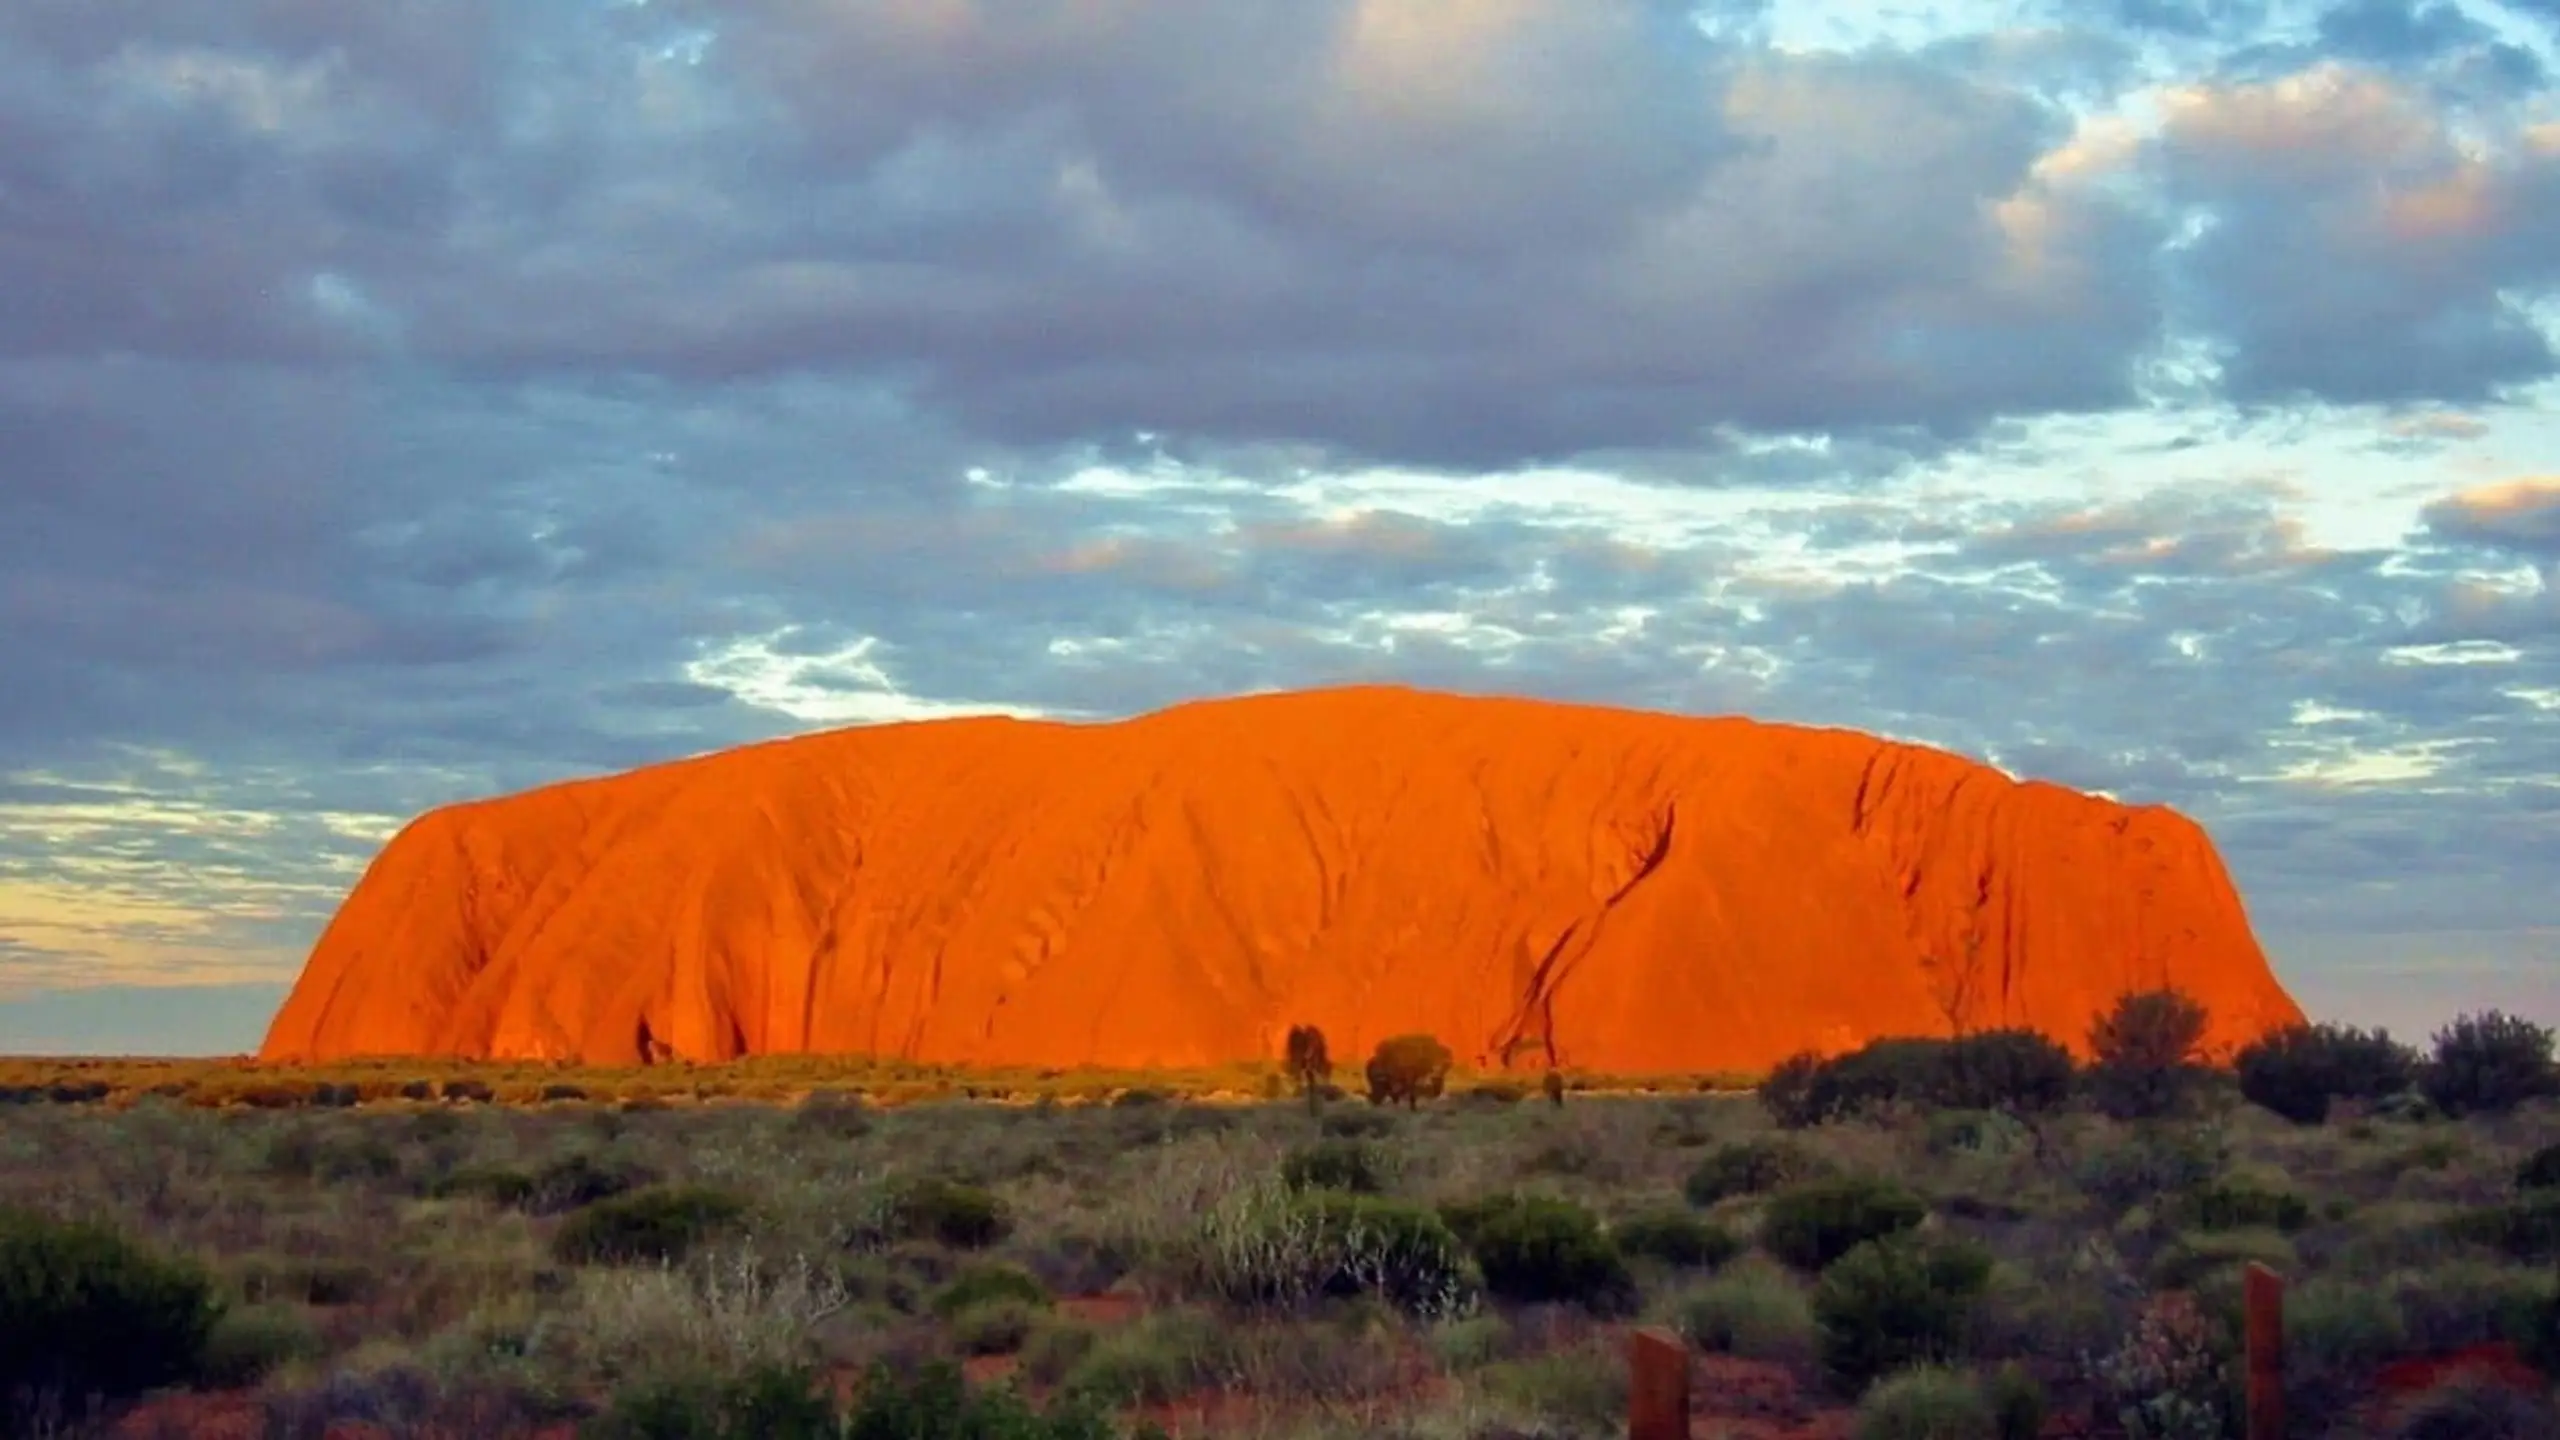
pixel 1530 881
pixel 2493 1363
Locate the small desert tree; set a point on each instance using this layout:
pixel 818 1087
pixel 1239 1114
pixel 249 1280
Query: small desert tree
pixel 2144 1052
pixel 1310 1063
pixel 1410 1068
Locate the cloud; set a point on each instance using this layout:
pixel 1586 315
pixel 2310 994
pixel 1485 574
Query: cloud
pixel 2352 249
pixel 2521 516
pixel 1571 227
pixel 405 402
pixel 2459 48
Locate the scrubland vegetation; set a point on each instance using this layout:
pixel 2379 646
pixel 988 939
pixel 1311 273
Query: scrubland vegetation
pixel 1926 1238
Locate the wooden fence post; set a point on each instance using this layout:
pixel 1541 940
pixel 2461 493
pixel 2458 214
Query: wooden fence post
pixel 2262 1291
pixel 1658 1392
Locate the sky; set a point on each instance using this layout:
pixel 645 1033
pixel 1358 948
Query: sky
pixel 410 401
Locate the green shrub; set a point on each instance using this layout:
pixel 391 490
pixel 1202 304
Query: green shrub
pixel 1897 1070
pixel 2461 1303
pixel 85 1312
pixel 2052 1313
pixel 2527 1227
pixel 1753 1310
pixel 1749 1167
pixel 2489 1063
pixel 1813 1224
pixel 764 1404
pixel 2536 1332
pixel 1055 1346
pixel 1470 1343
pixel 1576 1391
pixel 1793 1094
pixel 2017 1070
pixel 309 1280
pixel 2540 1170
pixel 2154 1160
pixel 1160 1357
pixel 2020 1071
pixel 2336 1334
pixel 575 1181
pixel 994 1327
pixel 1896 1302
pixel 1352 1165
pixel 1401 1252
pixel 1926 1402
pixel 1675 1237
pixel 405 1399
pixel 1177 1120
pixel 2236 1205
pixel 656 1225
pixel 273 1096
pixel 2188 1260
pixel 990 1284
pixel 490 1184
pixel 1358 1124
pixel 930 1207
pixel 1975 1132
pixel 1269 1248
pixel 1078 1263
pixel 251 1342
pixel 307 1153
pixel 1574 1151
pixel 835 1114
pixel 1533 1249
pixel 2017 1403
pixel 2298 1071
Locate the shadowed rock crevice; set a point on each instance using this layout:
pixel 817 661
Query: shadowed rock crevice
pixel 1532 882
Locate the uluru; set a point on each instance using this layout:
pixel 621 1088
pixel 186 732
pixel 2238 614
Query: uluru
pixel 1536 883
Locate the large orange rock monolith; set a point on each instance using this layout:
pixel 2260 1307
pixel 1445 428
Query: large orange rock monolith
pixel 1531 882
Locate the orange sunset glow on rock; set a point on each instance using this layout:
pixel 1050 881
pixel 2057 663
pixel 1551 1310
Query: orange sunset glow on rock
pixel 1535 883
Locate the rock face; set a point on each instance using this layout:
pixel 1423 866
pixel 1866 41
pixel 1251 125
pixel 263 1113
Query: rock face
pixel 1529 881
